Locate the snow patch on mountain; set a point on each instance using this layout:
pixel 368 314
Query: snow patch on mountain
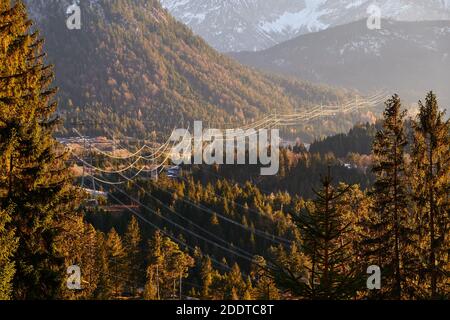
pixel 240 25
pixel 308 18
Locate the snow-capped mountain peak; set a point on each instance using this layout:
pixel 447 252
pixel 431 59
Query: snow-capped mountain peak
pixel 246 25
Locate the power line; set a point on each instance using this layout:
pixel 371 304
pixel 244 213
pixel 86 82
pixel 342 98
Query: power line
pixel 164 232
pixel 261 233
pixel 267 122
pixel 184 229
pixel 193 223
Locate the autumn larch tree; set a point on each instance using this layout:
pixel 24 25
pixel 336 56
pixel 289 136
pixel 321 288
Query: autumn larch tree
pixel 234 288
pixel 134 256
pixel 290 269
pixel 207 274
pixel 168 266
pixel 35 187
pixel 265 286
pixel 431 189
pixel 116 262
pixel 8 244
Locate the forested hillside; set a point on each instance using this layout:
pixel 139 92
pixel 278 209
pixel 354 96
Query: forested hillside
pixel 299 172
pixel 358 140
pixel 134 69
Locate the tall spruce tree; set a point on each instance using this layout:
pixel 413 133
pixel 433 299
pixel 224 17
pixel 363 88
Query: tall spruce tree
pixel 104 289
pixel 134 257
pixel 389 232
pixel 332 273
pixel 80 247
pixel 8 242
pixel 431 187
pixel 116 262
pixel 34 183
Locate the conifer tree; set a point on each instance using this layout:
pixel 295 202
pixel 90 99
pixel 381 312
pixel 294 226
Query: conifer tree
pixel 355 208
pixel 80 247
pixel 91 263
pixel 134 257
pixel 155 268
pixel 332 275
pixel 431 187
pixel 290 269
pixel 207 278
pixel 249 291
pixel 8 244
pixel 389 236
pixel 104 289
pixel 151 290
pixel 116 262
pixel 265 287
pixel 34 184
pixel 234 284
pixel 168 266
